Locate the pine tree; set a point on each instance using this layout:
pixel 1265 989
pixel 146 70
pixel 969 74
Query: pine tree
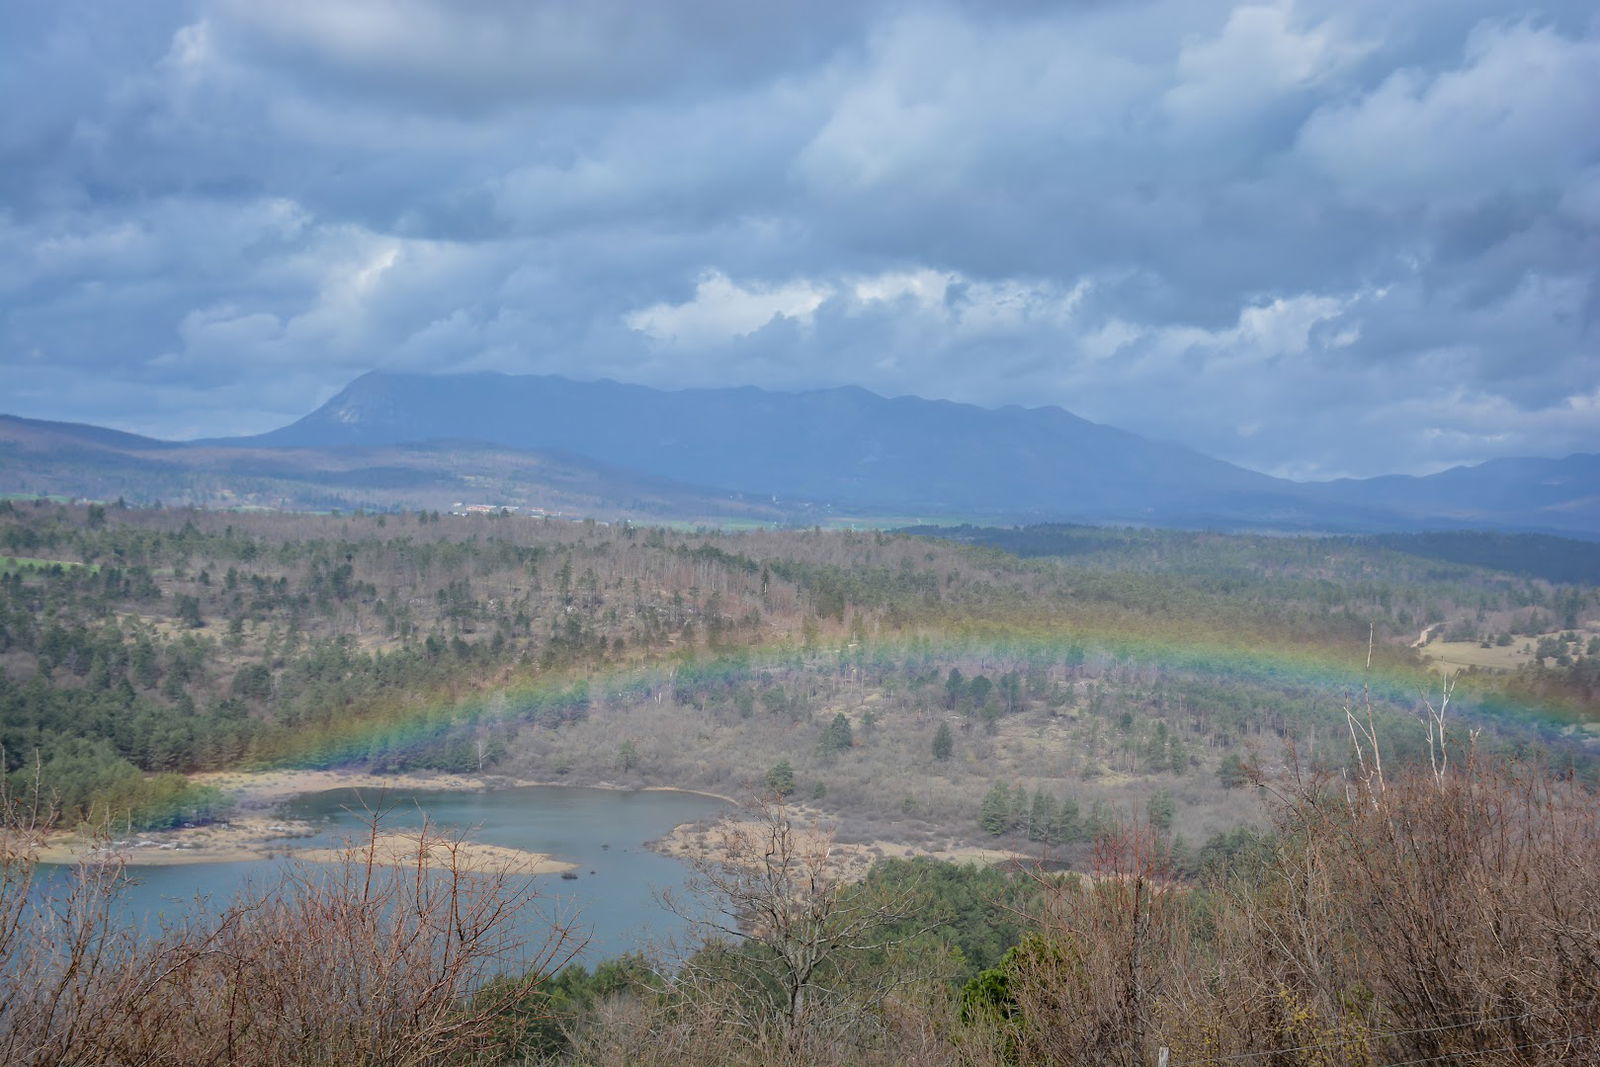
pixel 1064 827
pixel 1161 808
pixel 954 688
pixel 838 737
pixel 1041 815
pixel 995 812
pixel 189 612
pixel 1155 753
pixel 943 742
pixel 978 692
pixel 990 713
pixel 781 778
pixel 1232 773
pixel 1178 754
pixel 1011 692
pixel 1101 821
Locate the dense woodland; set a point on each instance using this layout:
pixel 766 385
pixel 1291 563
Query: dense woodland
pixel 141 642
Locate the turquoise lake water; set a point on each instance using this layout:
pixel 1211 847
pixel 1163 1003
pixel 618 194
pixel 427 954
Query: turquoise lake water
pixel 613 901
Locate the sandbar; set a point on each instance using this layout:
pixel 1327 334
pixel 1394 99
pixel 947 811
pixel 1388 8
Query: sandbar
pixel 438 852
pixel 238 840
pixel 255 833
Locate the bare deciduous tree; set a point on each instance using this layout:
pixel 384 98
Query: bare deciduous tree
pixel 789 943
pixel 354 963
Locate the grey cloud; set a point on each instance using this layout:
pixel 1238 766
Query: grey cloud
pixel 468 58
pixel 1314 238
pixel 1519 113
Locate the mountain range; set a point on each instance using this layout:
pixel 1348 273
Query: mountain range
pixel 745 454
pixel 58 459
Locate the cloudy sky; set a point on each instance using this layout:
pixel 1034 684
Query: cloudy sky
pixel 1315 238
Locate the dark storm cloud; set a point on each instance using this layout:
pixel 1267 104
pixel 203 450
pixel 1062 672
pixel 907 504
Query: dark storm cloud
pixel 1315 238
pixel 483 56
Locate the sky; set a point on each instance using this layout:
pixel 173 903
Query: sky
pixel 1318 238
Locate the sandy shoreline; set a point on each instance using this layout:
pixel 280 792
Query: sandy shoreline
pixel 256 790
pixel 724 841
pixel 255 833
pixel 265 789
pixel 239 840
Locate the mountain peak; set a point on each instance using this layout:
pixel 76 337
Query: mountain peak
pixel 867 455
pixel 843 444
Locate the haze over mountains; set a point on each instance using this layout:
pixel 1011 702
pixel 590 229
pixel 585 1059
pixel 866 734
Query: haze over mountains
pixel 73 460
pixel 619 450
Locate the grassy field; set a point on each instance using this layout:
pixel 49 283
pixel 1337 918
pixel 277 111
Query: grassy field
pixel 1445 655
pixel 1450 655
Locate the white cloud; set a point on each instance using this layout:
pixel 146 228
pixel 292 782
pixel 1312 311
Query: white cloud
pixel 1522 111
pixel 912 120
pixel 1284 327
pixel 925 288
pixel 1259 56
pixel 722 310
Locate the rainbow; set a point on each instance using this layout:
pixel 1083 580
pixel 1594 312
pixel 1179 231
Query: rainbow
pixel 1338 675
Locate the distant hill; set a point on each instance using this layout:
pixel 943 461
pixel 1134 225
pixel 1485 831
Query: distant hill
pixel 39 435
pixel 66 459
pixel 846 447
pixel 403 440
pixel 914 457
pixel 1549 494
pixel 1555 559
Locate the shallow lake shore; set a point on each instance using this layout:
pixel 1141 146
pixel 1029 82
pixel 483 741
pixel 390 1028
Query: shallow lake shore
pixel 254 833
pixel 267 789
pixel 259 790
pixel 729 840
pixel 238 840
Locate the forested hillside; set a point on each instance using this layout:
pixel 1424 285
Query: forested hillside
pixel 139 641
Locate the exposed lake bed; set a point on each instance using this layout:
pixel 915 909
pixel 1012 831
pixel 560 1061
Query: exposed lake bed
pixel 618 850
pixel 258 829
pixel 597 839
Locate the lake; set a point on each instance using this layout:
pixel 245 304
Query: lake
pixel 602 831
